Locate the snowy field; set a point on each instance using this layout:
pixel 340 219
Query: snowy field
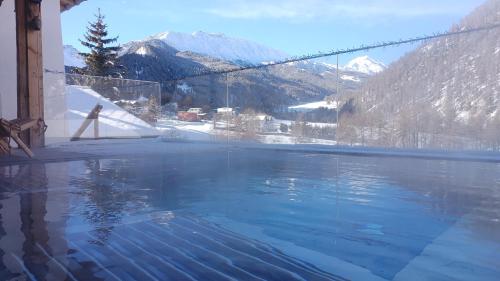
pixel 175 130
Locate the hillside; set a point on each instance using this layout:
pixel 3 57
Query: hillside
pixel 444 94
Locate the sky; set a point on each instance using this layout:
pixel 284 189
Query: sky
pixel 296 27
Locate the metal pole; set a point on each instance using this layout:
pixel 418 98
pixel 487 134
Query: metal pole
pixel 227 106
pixel 337 101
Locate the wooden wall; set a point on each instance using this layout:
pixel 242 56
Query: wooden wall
pixel 29 68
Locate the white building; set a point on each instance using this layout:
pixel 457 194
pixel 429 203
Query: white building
pixel 225 110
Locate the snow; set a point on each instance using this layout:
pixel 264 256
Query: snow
pixel 72 57
pixel 174 130
pixel 497 50
pixel 332 66
pixel 313 105
pixel 350 78
pixel 142 51
pixel 286 139
pixel 428 47
pixel 225 110
pixel 142 99
pixel 185 88
pixel 463 115
pixel 313 66
pixel 365 65
pixel 220 46
pixel 114 122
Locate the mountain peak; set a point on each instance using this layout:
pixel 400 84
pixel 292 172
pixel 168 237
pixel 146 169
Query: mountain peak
pixel 208 34
pixel 220 46
pixel 366 65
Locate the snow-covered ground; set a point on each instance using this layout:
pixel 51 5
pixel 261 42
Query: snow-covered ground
pixel 313 105
pixel 174 130
pixel 350 78
pixel 189 131
pixel 288 139
pixel 114 122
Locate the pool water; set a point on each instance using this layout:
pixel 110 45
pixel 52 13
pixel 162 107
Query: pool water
pixel 250 215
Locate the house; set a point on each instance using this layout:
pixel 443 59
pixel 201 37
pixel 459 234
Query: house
pixel 192 115
pixel 260 122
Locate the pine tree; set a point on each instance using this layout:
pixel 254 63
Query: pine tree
pixel 102 59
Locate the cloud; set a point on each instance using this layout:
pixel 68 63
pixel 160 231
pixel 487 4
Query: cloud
pixel 331 9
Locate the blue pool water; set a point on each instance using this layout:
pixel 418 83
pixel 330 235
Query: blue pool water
pixel 250 214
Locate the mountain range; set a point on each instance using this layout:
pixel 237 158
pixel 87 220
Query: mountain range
pixel 167 56
pixel 220 46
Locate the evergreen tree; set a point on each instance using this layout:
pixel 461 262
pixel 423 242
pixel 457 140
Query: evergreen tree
pixel 102 58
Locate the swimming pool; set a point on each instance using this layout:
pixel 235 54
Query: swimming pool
pixel 250 214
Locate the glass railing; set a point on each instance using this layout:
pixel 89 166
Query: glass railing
pixel 91 107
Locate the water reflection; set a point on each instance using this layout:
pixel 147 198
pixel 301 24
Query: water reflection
pixel 57 219
pixel 32 223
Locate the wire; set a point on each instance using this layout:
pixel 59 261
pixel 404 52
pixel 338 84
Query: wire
pixel 342 51
pixel 324 54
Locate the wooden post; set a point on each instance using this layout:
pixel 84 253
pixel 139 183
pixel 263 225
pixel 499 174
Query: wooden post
pixel 92 116
pixel 96 127
pixel 29 68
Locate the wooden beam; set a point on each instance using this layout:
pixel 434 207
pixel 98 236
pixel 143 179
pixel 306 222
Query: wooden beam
pixel 93 116
pixel 29 68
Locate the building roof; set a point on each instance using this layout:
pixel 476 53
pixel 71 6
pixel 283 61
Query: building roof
pixel 68 4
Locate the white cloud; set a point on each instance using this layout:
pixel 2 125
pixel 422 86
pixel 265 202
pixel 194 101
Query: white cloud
pixel 331 9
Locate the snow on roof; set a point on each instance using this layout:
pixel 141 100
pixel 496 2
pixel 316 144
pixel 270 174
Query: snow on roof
pixel 224 109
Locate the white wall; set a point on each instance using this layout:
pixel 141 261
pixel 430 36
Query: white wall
pixel 53 59
pixel 8 61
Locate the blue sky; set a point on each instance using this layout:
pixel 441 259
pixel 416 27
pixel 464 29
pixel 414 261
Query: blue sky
pixel 294 26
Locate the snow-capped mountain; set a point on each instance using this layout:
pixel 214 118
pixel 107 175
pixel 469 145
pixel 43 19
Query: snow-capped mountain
pixel 360 66
pixel 366 65
pixel 72 57
pixel 220 46
pixel 234 50
pixel 171 55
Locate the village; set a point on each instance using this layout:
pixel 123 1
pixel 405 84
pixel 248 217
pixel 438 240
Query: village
pixel 249 125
